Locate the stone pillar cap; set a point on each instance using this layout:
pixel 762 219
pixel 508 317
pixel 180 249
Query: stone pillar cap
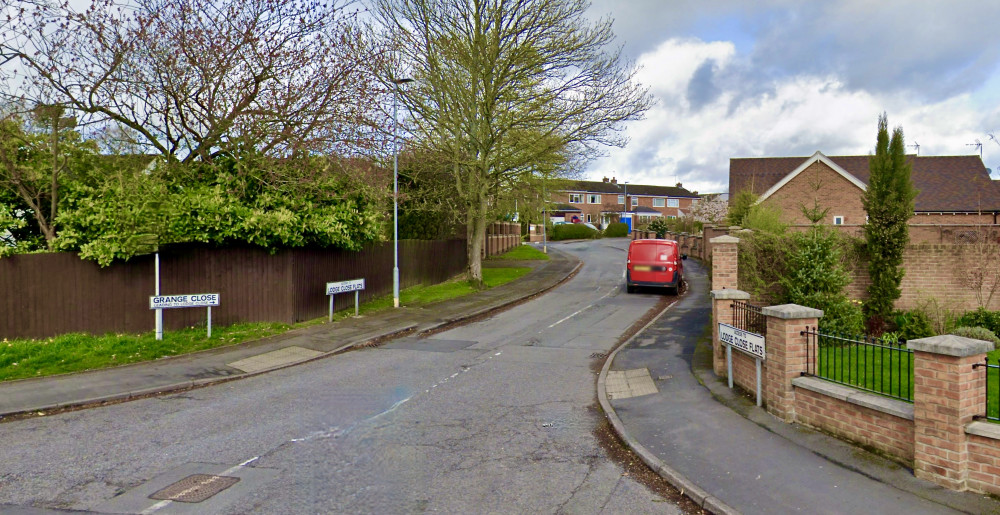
pixel 950 345
pixel 791 312
pixel 725 239
pixel 727 294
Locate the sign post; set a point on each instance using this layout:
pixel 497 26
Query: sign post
pixel 191 300
pixel 355 285
pixel 747 342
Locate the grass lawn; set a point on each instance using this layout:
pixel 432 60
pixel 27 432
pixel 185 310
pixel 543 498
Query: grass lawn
pixel 523 252
pixel 75 352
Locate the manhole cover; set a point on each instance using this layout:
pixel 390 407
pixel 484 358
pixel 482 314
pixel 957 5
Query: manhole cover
pixel 597 355
pixel 195 488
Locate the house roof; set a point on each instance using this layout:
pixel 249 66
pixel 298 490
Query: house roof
pixel 646 210
pixel 945 183
pixel 633 189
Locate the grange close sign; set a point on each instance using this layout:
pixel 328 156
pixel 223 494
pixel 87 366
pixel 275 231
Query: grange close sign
pixel 194 300
pixel 187 300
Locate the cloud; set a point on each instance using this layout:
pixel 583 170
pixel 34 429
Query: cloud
pixel 708 111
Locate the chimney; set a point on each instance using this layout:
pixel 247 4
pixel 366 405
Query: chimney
pixel 614 180
pixel 605 179
pixel 679 185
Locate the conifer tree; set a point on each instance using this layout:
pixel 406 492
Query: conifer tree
pixel 889 204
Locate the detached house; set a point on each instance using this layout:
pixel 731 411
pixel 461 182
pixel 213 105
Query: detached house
pixel 600 202
pixel 952 189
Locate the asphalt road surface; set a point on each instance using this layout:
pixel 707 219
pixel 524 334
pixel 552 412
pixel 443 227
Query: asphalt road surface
pixel 496 416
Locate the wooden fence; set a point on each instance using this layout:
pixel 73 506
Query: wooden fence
pixel 43 295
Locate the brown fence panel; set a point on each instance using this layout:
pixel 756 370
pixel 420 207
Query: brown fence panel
pixel 49 294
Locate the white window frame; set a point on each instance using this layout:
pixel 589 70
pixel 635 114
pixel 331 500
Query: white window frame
pixel 635 201
pixel 621 199
pixel 576 198
pixel 671 217
pixel 838 220
pixel 659 202
pixel 593 198
pixel 672 202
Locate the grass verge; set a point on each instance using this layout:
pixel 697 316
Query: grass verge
pixel 76 352
pixel 523 253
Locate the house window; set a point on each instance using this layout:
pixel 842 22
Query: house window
pixel 672 202
pixel 838 220
pixel 671 217
pixel 576 198
pixel 635 201
pixel 657 202
pixel 588 218
pixel 621 199
pixel 593 199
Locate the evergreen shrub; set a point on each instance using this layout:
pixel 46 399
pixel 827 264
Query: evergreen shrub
pixel 573 232
pixel 616 230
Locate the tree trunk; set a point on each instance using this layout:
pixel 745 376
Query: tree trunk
pixel 477 236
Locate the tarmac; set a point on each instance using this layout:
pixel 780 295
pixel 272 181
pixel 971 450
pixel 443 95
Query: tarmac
pixel 657 390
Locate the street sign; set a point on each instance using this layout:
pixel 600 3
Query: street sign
pixel 190 300
pixel 194 300
pixel 355 285
pixel 745 341
pixel 345 286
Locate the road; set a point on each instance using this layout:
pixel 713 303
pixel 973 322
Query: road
pixel 495 416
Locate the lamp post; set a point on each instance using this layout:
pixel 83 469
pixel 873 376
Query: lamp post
pixel 395 194
pixel 626 208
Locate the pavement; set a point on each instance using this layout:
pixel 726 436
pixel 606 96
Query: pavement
pixel 657 390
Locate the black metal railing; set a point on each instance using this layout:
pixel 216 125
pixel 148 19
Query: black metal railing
pixel 869 364
pixel 992 408
pixel 749 317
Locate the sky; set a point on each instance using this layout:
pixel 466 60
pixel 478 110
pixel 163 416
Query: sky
pixel 737 78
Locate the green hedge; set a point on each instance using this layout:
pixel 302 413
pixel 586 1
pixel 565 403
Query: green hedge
pixel 616 230
pixel 573 232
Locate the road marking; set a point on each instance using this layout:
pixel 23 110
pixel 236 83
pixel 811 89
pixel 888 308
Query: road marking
pixel 602 297
pixel 163 504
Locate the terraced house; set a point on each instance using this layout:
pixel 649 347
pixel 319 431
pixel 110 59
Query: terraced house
pixel 601 202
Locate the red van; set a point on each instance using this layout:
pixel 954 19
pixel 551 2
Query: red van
pixel 655 263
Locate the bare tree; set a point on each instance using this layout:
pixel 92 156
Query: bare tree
pixel 508 89
pixel 195 79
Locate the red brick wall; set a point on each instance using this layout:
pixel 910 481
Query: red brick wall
pixel 984 464
pixel 932 272
pixel 887 433
pixel 745 371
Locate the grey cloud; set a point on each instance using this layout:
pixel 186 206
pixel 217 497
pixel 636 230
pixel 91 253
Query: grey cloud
pixel 701 90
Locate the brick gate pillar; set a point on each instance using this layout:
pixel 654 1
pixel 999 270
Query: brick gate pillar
pixel 787 355
pixel 722 311
pixel 947 392
pixel 725 269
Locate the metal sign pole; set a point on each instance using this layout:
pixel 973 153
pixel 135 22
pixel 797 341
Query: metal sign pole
pixel 729 363
pixel 356 302
pixel 758 381
pixel 159 312
pixel 331 307
pixel 209 321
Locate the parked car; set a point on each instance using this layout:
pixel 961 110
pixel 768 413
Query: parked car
pixel 654 263
pixel 592 226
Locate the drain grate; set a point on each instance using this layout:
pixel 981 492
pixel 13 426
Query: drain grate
pixel 195 488
pixel 597 355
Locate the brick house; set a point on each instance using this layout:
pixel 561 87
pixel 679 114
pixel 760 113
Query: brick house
pixel 952 189
pixel 600 202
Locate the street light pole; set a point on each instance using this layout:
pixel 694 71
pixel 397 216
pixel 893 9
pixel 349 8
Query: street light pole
pixel 395 194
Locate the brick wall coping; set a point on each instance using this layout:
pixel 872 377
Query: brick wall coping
pixel 984 429
pixel 896 408
pixel 791 312
pixel 950 345
pixel 727 294
pixel 725 238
